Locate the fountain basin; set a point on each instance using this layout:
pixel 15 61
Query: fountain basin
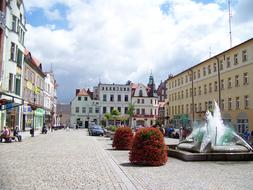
pixel 185 155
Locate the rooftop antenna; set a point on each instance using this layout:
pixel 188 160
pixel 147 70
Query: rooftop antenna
pixel 229 18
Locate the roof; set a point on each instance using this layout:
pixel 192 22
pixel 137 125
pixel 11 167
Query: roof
pixel 82 92
pixel 34 61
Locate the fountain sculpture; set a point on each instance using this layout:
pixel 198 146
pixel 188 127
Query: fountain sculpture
pixel 213 141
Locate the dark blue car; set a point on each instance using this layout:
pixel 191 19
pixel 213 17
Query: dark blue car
pixel 96 130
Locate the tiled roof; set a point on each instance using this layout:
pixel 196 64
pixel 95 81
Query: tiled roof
pixel 82 92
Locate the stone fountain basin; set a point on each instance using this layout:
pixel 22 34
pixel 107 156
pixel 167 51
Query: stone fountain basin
pixel 215 149
pixel 184 155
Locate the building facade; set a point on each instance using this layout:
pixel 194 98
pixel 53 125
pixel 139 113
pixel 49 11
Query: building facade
pixel 12 64
pixel 63 112
pixel 33 93
pixel 114 96
pixel 84 109
pixel 226 78
pixel 2 31
pixel 50 99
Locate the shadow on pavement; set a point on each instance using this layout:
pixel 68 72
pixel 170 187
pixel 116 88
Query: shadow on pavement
pixel 128 164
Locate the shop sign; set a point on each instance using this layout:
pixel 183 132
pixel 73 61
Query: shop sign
pixel 27 109
pixel 37 90
pixel 39 112
pixel 29 85
pixel 9 106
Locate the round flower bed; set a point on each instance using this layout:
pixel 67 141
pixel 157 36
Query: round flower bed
pixel 148 148
pixel 123 138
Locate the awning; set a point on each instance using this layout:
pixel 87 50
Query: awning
pixel 7 101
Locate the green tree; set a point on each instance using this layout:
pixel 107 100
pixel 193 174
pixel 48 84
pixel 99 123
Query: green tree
pixel 115 113
pixel 130 112
pixel 108 117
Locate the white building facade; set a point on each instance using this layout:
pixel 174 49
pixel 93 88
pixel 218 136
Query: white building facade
pixel 145 104
pixel 114 96
pixel 84 110
pixel 13 56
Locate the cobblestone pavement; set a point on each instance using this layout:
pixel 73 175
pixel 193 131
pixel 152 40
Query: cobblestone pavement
pixel 59 160
pixel 74 160
pixel 180 175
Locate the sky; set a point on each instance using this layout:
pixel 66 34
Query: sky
pixel 113 41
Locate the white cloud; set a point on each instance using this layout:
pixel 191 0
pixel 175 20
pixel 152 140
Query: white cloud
pixel 119 40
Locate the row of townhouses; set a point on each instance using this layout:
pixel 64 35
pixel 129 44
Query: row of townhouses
pixel 27 94
pixel 226 78
pixel 183 99
pixel 87 106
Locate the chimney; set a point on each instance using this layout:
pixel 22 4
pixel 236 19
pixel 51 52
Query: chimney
pixel 77 91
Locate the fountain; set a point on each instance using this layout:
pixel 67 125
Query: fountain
pixel 212 141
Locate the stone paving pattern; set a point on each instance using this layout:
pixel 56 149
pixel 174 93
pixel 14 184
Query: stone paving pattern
pixel 74 160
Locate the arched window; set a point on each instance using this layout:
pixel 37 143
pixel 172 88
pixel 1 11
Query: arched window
pixel 140 93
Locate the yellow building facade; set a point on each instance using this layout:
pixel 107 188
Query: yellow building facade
pixel 226 78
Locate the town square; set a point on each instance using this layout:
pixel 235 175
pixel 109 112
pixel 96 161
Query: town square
pixel 137 94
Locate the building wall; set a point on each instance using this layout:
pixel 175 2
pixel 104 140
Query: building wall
pixel 84 110
pixel 146 108
pixel 179 88
pixel 114 90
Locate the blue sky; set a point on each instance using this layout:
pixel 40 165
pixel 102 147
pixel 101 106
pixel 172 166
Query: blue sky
pixel 116 40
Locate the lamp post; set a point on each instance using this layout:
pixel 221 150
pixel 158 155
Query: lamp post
pixel 219 89
pixel 193 110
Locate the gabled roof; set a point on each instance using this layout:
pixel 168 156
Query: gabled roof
pixel 32 61
pixel 82 92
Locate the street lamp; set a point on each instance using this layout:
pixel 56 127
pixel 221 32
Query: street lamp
pixel 219 90
pixel 190 72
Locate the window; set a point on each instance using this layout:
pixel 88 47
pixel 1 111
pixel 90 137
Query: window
pixel 178 95
pixel 209 69
pixel 119 98
pixel 126 98
pixel 221 65
pixel 14 23
pixel 215 86
pixel 112 98
pixel 119 109
pixel 206 105
pixel 186 78
pixel 17 85
pixel 235 59
pixel 143 111
pixel 90 110
pixel 126 110
pixel 104 110
pixel 138 111
pixel 111 108
pixel 199 90
pixel 97 109
pixel 210 87
pixel 194 75
pixel 79 98
pixel 204 71
pixel 19 58
pixel 246 102
pixel 178 81
pixel 151 112
pixel 229 103
pixel 245 78
pixel 228 62
pixel 182 94
pixel 229 83
pixel 210 105
pixel 236 80
pixel 195 91
pixel 77 109
pixel 200 107
pixel 191 92
pixel 182 107
pixel 83 109
pixel 222 84
pixel 10 82
pixel 198 73
pixel 186 93
pixel 140 93
pixel 85 98
pixel 104 97
pixel 237 100
pixel 222 104
pixel 138 101
pixel 242 125
pixel 244 55
pixel 214 67
pixel 142 101
pixel 187 108
pixel 12 55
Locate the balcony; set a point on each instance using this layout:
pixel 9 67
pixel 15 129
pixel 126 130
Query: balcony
pixel 2 20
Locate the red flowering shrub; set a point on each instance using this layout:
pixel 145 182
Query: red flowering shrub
pixel 148 148
pixel 123 138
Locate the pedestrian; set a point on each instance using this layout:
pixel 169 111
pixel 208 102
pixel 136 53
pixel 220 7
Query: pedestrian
pixel 16 134
pixel 76 126
pixel 32 131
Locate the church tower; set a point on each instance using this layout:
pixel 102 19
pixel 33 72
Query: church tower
pixel 151 85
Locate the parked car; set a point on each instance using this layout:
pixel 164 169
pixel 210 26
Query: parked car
pixel 96 130
pixel 56 127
